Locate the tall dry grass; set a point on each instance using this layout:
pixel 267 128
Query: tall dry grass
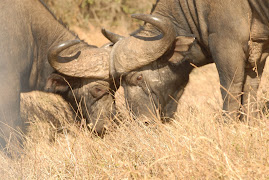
pixel 195 145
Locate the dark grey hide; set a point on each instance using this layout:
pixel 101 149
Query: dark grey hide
pixel 39 53
pixel 232 34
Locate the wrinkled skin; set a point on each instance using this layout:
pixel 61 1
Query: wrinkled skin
pixel 234 36
pixel 93 96
pixel 146 90
pixel 30 34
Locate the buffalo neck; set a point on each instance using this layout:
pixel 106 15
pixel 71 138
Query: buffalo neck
pixel 188 17
pixel 261 7
pixel 47 31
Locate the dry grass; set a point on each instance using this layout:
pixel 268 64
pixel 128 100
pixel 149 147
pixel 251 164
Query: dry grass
pixel 196 145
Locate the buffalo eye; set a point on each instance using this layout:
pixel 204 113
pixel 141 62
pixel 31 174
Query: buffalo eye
pixel 134 78
pixel 97 92
pixel 139 78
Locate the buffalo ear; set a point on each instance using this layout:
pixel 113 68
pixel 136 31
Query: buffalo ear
pixel 182 45
pixel 56 84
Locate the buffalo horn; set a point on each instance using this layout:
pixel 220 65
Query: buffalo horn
pixel 111 36
pixel 88 62
pixel 136 51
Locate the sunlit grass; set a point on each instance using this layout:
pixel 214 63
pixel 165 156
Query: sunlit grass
pixel 195 145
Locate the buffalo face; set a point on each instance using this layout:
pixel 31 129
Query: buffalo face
pixel 155 89
pixel 159 57
pixel 91 99
pixel 82 78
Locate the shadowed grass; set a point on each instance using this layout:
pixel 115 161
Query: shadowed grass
pixel 196 145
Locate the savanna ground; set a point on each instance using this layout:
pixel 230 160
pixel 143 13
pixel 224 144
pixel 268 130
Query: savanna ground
pixel 196 145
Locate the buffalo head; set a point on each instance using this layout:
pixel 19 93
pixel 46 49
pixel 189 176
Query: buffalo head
pixel 82 78
pixel 154 89
pixel 153 64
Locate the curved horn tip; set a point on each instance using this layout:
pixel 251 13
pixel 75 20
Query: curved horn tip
pixel 111 36
pixel 106 33
pixel 137 16
pixel 67 44
pixel 145 17
pixel 76 41
pixel 103 30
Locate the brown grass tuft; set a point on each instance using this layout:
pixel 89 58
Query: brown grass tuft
pixel 196 145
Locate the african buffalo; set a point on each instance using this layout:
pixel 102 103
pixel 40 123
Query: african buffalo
pixel 232 34
pixel 38 53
